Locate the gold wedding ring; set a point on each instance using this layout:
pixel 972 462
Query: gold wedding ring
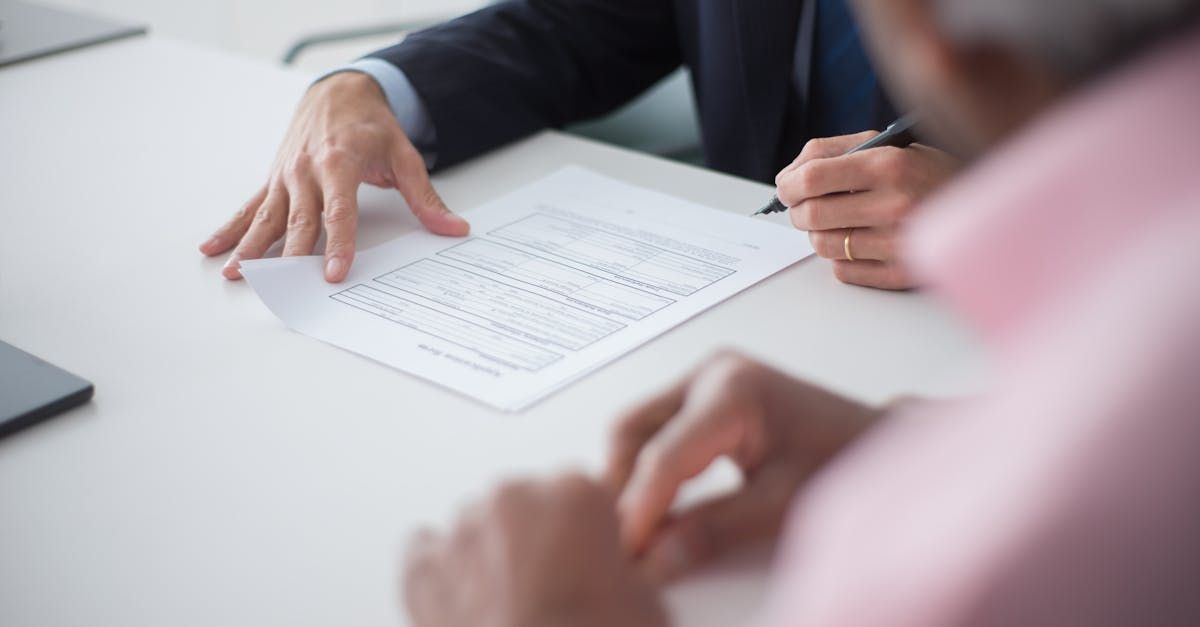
pixel 846 244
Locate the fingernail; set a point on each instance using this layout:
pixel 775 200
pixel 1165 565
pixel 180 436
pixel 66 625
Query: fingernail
pixel 334 268
pixel 211 242
pixel 232 269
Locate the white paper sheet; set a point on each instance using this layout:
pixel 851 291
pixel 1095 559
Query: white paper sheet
pixel 556 279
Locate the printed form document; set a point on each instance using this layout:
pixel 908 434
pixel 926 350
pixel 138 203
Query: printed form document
pixel 555 280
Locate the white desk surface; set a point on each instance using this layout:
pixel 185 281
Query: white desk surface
pixel 231 472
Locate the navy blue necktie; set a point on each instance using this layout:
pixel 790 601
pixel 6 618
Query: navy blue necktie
pixel 842 85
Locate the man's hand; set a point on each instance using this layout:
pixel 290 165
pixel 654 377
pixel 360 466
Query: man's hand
pixel 532 555
pixel 871 192
pixel 775 428
pixel 343 134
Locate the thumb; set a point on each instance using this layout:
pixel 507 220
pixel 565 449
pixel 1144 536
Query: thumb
pixel 412 180
pixel 719 527
pixel 697 436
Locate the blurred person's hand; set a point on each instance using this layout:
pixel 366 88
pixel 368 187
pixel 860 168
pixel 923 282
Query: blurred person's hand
pixel 542 554
pixel 866 196
pixel 342 135
pixel 778 430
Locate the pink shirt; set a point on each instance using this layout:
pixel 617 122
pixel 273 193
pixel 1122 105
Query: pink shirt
pixel 1070 493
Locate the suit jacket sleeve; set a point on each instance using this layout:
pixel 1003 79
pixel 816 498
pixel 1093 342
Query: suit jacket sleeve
pixel 517 67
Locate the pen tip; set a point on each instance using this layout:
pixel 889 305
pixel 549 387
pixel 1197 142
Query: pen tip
pixel 772 207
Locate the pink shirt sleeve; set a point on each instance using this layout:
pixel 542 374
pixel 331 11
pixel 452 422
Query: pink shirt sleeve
pixel 1069 496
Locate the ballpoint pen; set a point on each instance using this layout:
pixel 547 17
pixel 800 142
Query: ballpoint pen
pixel 898 134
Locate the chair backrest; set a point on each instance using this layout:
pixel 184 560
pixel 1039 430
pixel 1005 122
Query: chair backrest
pixel 662 121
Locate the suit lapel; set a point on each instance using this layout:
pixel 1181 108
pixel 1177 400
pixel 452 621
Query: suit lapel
pixel 767 35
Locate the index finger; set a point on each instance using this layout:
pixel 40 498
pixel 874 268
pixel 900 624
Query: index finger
pixel 340 189
pixel 824 148
pixel 412 179
pixel 635 429
pixel 831 175
pixel 703 430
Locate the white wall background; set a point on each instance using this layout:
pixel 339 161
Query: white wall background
pixel 663 122
pixel 265 28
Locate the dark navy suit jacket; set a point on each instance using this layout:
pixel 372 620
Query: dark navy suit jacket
pixel 517 67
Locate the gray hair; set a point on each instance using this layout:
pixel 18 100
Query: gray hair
pixel 1073 38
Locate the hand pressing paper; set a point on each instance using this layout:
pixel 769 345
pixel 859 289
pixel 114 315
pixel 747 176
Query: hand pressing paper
pixel 558 278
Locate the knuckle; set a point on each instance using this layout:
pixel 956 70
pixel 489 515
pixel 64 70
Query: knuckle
pixel 889 246
pixel 409 155
pixel 298 168
pixel 843 271
pixel 786 191
pixel 338 224
pixel 329 160
pixel 245 211
pixel 332 156
pixel 249 209
pixel 885 244
pixel 897 209
pixel 815 146
pixel 812 213
pixel 339 211
pixel 896 277
pixel 808 176
pixel 337 248
pixel 798 218
pixel 265 214
pixel 245 250
pixel 892 164
pixel 823 244
pixel 300 220
pixel 430 198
